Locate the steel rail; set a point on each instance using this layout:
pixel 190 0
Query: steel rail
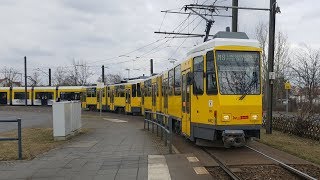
pixel 223 166
pixel 285 166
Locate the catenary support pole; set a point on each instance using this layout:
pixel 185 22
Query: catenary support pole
pixel 234 16
pixel 25 81
pixel 287 98
pixel 271 75
pixel 151 67
pixel 102 76
pixel 49 76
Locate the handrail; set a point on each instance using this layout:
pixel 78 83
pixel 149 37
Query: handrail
pixel 165 124
pixel 19 139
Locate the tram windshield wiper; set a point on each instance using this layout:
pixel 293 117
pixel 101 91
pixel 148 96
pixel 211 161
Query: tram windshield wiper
pixel 253 82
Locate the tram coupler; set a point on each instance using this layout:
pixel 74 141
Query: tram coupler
pixel 235 138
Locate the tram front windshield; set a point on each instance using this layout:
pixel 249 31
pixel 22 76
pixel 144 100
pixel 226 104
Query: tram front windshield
pixel 238 72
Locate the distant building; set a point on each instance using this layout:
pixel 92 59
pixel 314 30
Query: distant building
pixel 6 83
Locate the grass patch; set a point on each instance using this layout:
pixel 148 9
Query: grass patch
pixel 35 141
pixel 302 147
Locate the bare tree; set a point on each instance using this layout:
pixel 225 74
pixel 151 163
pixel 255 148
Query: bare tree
pixel 60 76
pixel 282 64
pixel 35 79
pixel 261 34
pixel 112 78
pixel 10 75
pixel 281 59
pixel 306 71
pixel 80 74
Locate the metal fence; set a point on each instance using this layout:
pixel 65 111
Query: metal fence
pixel 308 127
pixel 160 122
pixel 19 139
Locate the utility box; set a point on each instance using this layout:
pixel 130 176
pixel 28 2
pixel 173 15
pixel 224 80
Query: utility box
pixel 66 119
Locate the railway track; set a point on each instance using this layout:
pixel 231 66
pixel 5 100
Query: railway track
pixel 234 176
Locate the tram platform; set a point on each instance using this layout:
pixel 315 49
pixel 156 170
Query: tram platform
pixel 116 147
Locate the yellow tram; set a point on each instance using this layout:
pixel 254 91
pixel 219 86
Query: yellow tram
pixel 214 94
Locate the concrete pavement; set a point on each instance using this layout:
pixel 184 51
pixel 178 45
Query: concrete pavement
pixel 116 147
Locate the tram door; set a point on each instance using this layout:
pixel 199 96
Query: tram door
pixel 112 100
pixel 3 98
pixel 186 103
pixel 165 94
pixel 154 97
pixel 128 101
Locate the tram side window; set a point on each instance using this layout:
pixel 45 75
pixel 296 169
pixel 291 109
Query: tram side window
pixel 121 91
pixel 171 82
pixel 198 75
pixel 138 90
pixel 134 90
pixel 177 80
pixel 91 92
pixel 20 95
pixel 164 86
pixel 211 74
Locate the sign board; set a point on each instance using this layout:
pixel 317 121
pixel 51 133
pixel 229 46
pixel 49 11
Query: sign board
pixel 287 86
pixel 100 85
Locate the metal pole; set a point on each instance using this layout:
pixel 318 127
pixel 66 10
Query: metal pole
pixel 271 75
pixel 19 140
pixel 25 81
pixel 234 16
pixel 100 100
pixel 287 96
pixel 49 76
pixel 151 67
pixel 102 78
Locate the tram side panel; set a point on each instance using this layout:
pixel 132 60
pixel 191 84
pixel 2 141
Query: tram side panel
pixel 18 96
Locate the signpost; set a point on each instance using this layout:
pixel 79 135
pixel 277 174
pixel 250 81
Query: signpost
pixel 100 86
pixel 287 87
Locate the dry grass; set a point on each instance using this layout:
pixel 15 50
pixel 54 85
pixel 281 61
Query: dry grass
pixel 304 148
pixel 35 141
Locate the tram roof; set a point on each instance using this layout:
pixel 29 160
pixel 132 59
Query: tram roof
pixel 225 39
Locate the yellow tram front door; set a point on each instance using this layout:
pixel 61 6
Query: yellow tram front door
pixel 186 103
pixel 128 101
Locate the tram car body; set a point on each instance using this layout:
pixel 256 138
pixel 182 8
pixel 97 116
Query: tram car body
pixel 221 97
pixel 125 97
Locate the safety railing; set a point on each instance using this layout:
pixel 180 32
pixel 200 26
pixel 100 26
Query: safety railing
pixel 163 123
pixel 19 139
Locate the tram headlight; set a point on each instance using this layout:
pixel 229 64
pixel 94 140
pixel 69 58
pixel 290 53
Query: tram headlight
pixel 226 117
pixel 254 117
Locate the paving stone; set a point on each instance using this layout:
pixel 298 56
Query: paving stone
pixel 110 151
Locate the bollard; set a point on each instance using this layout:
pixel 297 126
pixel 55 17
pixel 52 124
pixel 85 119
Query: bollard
pixel 19 140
